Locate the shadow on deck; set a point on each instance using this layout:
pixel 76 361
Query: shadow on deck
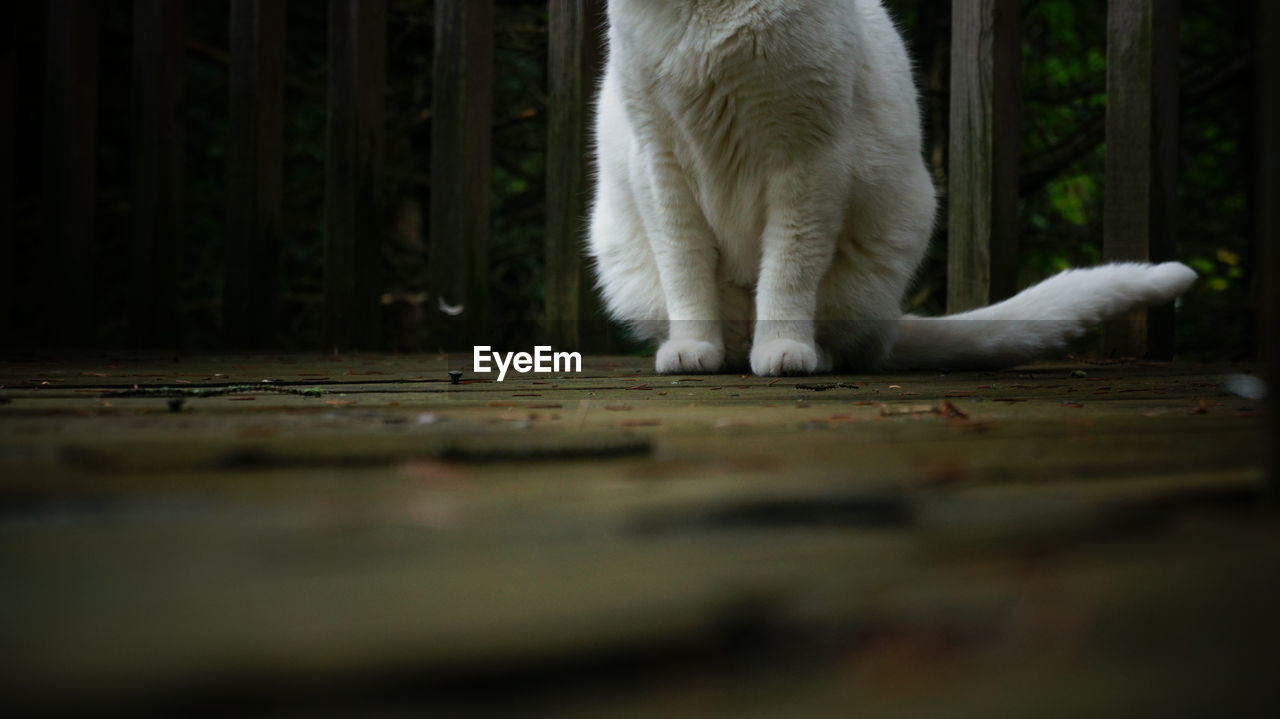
pixel 298 534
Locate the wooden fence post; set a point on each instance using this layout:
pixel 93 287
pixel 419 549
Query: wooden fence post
pixel 575 38
pixel 8 159
pixel 255 171
pixel 982 195
pixel 1142 158
pixel 1267 221
pixel 354 222
pixel 461 154
pixel 159 53
pixel 70 170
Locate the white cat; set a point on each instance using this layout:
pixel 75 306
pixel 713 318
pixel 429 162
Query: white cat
pixel 762 199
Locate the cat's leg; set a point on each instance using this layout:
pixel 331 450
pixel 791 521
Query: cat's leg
pixel 685 252
pixel 858 308
pixel 797 248
pixel 627 274
pixel 882 240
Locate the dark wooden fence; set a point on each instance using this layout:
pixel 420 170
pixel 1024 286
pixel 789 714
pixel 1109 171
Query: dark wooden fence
pixel 1267 222
pixel 1141 167
pixel 1141 173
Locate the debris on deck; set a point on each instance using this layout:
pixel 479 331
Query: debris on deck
pixel 382 534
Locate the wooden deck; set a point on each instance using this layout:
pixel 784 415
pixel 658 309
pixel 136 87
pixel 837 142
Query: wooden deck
pixel 355 534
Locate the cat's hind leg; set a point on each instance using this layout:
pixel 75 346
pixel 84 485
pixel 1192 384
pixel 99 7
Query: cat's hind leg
pixel 626 272
pixel 884 235
pixel 858 313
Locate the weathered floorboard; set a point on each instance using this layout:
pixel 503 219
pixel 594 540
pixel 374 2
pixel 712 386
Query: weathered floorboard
pixel 461 152
pixel 70 170
pixel 359 529
pixel 255 172
pixel 575 37
pixel 982 187
pixel 354 203
pixel 158 148
pixel 1139 215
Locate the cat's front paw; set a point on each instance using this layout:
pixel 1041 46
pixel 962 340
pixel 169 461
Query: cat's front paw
pixel 679 356
pixel 779 357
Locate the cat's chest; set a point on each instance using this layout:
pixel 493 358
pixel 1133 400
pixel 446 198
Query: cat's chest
pixel 733 129
pixel 734 110
pixel 734 89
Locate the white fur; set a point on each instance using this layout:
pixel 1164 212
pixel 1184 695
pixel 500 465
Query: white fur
pixel 762 198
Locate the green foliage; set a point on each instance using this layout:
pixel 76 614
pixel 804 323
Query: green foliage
pixel 1064 86
pixel 1064 101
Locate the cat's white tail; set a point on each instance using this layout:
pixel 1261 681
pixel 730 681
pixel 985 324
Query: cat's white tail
pixel 1037 320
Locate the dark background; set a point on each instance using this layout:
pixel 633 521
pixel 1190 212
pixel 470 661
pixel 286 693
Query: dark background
pixel 1062 166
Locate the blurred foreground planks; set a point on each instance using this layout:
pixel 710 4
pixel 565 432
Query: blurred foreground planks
pixel 357 535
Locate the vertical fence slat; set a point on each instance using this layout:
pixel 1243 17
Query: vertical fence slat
pixel 575 60
pixel 157 151
pixel 8 97
pixel 69 183
pixel 461 125
pixel 982 194
pixel 255 171
pixel 353 173
pixel 1267 220
pixel 1142 158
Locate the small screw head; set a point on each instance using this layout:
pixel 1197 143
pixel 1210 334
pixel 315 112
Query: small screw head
pixel 455 376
